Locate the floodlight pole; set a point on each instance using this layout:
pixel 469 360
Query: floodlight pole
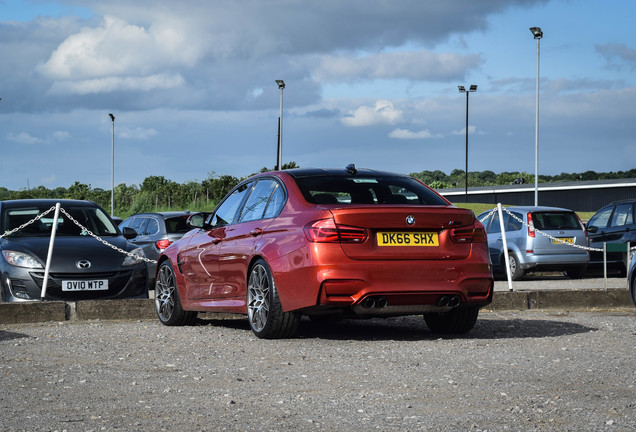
pixel 462 89
pixel 112 169
pixel 538 34
pixel 279 156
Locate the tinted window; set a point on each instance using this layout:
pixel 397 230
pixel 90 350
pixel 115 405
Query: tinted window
pixel 512 224
pixel 366 190
pixel 276 203
pixel 623 215
pixel 226 212
pixel 177 225
pixel 257 202
pixel 555 220
pixel 152 227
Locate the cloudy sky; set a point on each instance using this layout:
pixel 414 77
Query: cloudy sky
pixel 374 82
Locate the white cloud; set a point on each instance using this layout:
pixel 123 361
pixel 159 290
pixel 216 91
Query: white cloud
pixel 383 112
pixel 407 134
pixel 118 48
pixel 462 131
pixel 24 138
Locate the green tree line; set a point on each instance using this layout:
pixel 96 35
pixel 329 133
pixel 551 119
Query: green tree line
pixel 157 193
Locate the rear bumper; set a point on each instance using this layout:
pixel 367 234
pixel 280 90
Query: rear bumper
pixel 554 261
pixel 343 283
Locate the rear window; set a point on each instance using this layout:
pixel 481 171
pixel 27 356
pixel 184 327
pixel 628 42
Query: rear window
pixel 555 220
pixel 366 190
pixel 177 225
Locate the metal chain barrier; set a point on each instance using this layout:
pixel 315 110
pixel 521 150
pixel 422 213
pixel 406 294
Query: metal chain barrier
pixel 90 233
pixel 485 218
pixel 26 224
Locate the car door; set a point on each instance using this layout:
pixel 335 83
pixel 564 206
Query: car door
pixel 621 223
pixel 241 238
pixel 199 260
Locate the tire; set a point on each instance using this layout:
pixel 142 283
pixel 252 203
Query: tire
pixel 264 311
pixel 516 272
pixel 576 272
pixel 456 321
pixel 167 301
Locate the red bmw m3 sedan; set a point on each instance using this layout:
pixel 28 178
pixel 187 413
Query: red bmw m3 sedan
pixel 328 242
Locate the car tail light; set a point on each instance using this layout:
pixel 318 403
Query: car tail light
pixel 530 225
pixel 326 231
pixel 476 234
pixel 162 244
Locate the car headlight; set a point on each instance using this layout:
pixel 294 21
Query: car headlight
pixel 135 257
pixel 20 259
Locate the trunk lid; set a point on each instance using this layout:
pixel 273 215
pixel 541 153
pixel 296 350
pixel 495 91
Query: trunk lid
pixel 405 232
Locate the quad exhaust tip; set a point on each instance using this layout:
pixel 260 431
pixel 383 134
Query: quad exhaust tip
pixel 377 302
pixel 448 301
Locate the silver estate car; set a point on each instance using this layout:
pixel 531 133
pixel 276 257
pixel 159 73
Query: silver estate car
pixel 532 251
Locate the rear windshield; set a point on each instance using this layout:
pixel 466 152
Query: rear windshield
pixel 177 225
pixel 555 220
pixel 367 190
pixel 90 218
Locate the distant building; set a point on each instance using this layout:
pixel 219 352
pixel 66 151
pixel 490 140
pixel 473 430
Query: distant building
pixel 576 195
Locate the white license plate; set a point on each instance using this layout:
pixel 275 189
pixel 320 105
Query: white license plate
pixel 85 285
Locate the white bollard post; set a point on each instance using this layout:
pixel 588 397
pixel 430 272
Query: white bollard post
pixel 50 254
pixel 505 246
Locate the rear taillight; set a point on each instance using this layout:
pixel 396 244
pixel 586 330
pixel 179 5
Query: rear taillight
pixel 326 231
pixel 476 234
pixel 162 244
pixel 530 225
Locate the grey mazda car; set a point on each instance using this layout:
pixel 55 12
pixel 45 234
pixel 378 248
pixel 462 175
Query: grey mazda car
pixel 81 267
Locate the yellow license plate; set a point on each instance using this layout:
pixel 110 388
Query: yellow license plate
pixel 408 239
pixel 563 240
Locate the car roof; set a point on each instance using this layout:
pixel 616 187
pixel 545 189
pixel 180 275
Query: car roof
pixel 166 214
pixel 314 172
pixel 51 202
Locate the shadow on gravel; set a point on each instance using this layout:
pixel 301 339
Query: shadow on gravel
pixel 7 336
pixel 414 328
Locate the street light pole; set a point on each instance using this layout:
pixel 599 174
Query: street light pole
pixel 279 156
pixel 112 169
pixel 462 89
pixel 538 34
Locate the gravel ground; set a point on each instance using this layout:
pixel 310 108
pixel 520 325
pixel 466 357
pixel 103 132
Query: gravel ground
pixel 516 371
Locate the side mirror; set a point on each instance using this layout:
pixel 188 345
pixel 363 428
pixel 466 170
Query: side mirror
pixel 129 233
pixel 592 229
pixel 197 220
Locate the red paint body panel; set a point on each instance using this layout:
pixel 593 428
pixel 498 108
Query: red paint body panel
pixel 212 267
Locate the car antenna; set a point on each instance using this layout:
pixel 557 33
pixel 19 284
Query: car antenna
pixel 351 169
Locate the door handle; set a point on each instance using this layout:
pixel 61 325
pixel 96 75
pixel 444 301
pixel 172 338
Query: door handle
pixel 256 232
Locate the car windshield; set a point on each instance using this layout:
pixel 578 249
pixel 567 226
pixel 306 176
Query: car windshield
pixel 555 220
pixel 366 190
pixel 90 218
